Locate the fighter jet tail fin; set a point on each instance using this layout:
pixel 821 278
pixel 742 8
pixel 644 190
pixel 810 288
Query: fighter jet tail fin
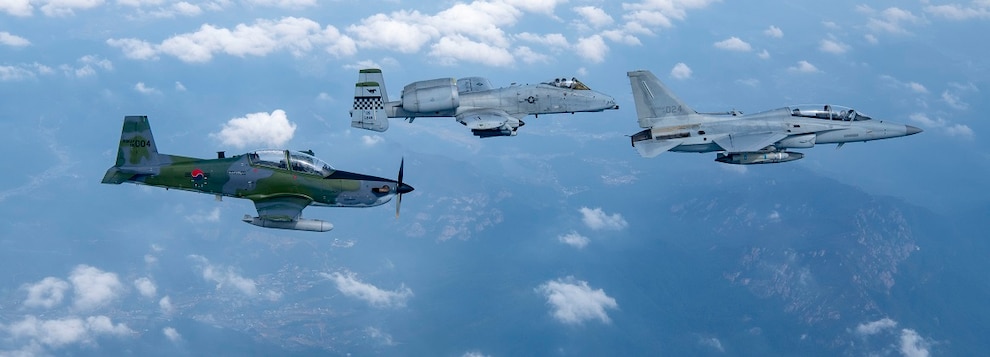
pixel 654 102
pixel 369 101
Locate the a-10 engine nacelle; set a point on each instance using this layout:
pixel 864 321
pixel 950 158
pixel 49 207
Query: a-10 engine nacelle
pixel 751 158
pixel 432 96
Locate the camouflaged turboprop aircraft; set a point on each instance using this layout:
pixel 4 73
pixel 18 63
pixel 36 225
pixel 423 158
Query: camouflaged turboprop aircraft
pixel 280 182
pixel 760 138
pixel 472 102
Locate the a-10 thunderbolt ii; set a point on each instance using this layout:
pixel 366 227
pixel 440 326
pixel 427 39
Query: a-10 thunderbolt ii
pixel 761 138
pixel 472 101
pixel 280 182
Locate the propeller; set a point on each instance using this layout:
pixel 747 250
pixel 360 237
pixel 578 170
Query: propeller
pixel 400 187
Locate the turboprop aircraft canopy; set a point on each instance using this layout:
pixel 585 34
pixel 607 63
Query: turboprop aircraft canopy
pixel 294 160
pixel 828 112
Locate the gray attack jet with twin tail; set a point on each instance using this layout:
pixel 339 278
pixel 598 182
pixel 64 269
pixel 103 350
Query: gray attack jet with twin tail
pixel 281 183
pixel 472 101
pixel 761 138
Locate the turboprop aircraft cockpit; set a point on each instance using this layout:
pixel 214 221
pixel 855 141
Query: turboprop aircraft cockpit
pixel 828 112
pixel 294 160
pixel 572 83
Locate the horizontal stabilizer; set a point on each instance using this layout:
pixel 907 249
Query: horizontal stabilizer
pixel 115 176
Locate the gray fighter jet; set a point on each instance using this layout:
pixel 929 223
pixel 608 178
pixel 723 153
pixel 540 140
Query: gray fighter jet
pixel 472 102
pixel 761 138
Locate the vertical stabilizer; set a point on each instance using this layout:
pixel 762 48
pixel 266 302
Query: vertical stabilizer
pixel 369 101
pixel 137 144
pixel 654 102
pixel 136 152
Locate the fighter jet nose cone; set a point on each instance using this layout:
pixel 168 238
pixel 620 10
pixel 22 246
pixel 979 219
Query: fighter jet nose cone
pixel 911 130
pixel 405 189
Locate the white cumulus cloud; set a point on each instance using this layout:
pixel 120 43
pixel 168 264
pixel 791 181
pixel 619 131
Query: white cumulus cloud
pixel 574 239
pixel 573 301
pixel 46 293
pixel 594 16
pixel 172 334
pixel 57 333
pixel 225 276
pixel 874 327
pixel 592 48
pixel 297 36
pixel 733 44
pixel 372 140
pixel 680 71
pixel 803 67
pixel 146 287
pixel 20 8
pixel 348 284
pixel 833 47
pixel 62 8
pixel 144 89
pixel 774 31
pixel 597 219
pixel 950 129
pixel 265 129
pixel 165 304
pixel 93 287
pixel 6 38
pixel 912 344
pixel 450 50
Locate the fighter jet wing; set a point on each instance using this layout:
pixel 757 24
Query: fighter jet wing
pixel 483 118
pixel 651 148
pixel 283 208
pixel 748 142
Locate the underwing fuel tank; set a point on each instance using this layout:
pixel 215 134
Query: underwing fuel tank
pixel 752 158
pixel 312 225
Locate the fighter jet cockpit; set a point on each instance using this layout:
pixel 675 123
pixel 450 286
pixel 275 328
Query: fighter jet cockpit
pixel 572 83
pixel 302 162
pixel 828 112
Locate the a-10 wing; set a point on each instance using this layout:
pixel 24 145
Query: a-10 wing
pixel 484 119
pixel 489 122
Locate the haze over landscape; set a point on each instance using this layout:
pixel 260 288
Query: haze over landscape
pixel 559 241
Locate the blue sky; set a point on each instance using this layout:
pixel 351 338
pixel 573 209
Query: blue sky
pixel 239 75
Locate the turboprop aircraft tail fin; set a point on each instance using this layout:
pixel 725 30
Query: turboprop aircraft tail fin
pixel 136 152
pixel 369 101
pixel 654 102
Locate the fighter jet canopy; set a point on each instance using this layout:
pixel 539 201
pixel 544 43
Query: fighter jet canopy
pixel 572 83
pixel 828 112
pixel 297 161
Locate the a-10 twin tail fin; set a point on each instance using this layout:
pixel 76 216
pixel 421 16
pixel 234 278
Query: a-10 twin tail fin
pixel 369 101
